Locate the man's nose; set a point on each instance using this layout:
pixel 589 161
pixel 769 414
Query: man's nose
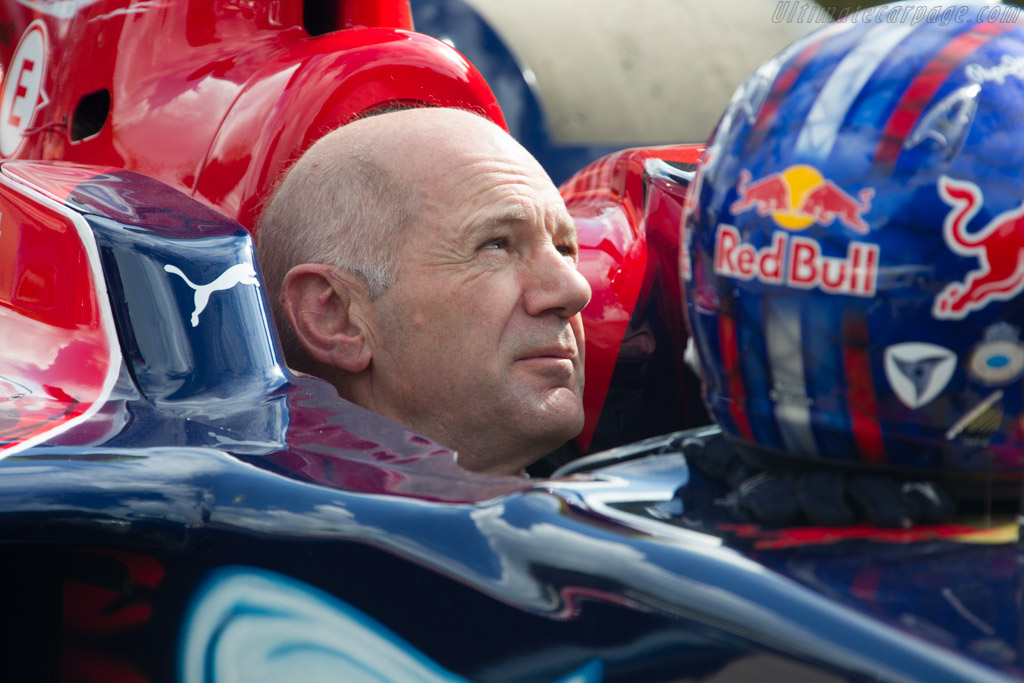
pixel 554 285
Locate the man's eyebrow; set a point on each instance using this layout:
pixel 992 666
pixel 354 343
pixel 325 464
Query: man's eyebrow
pixel 504 218
pixel 567 229
pixel 488 226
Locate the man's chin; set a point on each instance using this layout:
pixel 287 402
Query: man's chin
pixel 532 425
pixel 560 414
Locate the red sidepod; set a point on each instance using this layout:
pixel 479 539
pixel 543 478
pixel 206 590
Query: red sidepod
pixel 629 253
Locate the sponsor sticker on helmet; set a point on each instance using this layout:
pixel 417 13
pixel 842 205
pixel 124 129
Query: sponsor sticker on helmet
pixel 797 262
pixel 795 199
pixel 918 371
pixel 800 196
pixel 999 359
pixel 981 422
pixel 998 246
pixel 1008 66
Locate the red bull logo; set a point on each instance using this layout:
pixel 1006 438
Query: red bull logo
pixel 998 246
pixel 799 197
pixel 797 261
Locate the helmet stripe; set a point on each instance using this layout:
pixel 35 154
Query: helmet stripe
pixel 861 390
pixel 822 124
pixel 921 91
pixel 729 346
pixel 783 338
pixel 785 80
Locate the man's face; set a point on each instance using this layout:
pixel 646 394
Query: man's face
pixel 479 343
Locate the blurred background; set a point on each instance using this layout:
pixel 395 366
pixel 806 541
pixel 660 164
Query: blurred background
pixel 578 79
pixel 581 78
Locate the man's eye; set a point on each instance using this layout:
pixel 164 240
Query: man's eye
pixel 497 243
pixel 568 250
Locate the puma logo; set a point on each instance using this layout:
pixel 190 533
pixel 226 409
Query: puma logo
pixel 240 274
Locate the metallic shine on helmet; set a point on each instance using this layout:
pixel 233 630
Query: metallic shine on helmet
pixel 855 246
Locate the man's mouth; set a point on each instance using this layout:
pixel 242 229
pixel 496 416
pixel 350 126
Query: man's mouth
pixel 551 352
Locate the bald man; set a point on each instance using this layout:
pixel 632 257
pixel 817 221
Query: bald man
pixel 423 262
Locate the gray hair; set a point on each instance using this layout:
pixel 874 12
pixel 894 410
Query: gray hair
pixel 338 207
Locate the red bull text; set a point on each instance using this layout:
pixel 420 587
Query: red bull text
pixel 797 261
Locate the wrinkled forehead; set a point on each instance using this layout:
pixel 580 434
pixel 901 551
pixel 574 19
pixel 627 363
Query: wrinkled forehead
pixel 461 168
pixel 493 170
pixel 500 191
pixel 544 210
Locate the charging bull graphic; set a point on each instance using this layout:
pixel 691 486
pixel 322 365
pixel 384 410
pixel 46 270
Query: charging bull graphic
pixel 998 246
pixel 799 197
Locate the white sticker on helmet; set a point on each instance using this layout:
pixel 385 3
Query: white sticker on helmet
pixel 918 372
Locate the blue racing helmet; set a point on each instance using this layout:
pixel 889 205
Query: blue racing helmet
pixel 855 246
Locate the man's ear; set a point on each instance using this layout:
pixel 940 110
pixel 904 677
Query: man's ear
pixel 321 303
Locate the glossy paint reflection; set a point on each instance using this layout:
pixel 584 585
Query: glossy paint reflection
pixel 255 625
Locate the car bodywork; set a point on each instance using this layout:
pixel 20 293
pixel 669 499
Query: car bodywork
pixel 176 504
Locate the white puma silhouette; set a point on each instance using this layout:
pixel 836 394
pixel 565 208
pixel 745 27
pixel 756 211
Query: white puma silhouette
pixel 242 273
